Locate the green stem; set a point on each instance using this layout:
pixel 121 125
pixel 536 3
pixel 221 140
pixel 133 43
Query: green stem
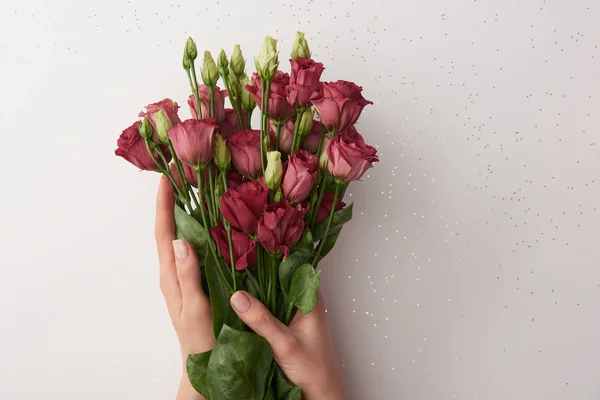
pixel 273 268
pixel 249 117
pixel 212 101
pixel 317 205
pixel 195 89
pixel 277 133
pixel 231 259
pixel 260 266
pixel 261 295
pixel 200 175
pixel 240 118
pixel 263 114
pixel 338 187
pixel 295 138
pixel 184 183
pixel 165 170
pixel 323 130
pixel 211 195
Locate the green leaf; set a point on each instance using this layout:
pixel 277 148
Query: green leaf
pixel 239 366
pixel 306 243
pixel 197 366
pixel 328 244
pixel 305 283
pixel 222 312
pixel 282 385
pixel 288 267
pixel 190 229
pixel 339 219
pixel 294 394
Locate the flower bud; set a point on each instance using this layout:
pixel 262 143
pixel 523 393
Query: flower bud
pixel 306 124
pixel 278 195
pixel 145 129
pixel 186 62
pixel 222 153
pixel 324 158
pixel 222 60
pixel 190 50
pixel 267 60
pixel 300 47
pixel 238 64
pixel 210 72
pixel 235 87
pixel 163 124
pixel 274 170
pixel 248 101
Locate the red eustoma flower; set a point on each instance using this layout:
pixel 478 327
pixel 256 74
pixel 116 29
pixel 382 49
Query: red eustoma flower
pixel 340 105
pixel 245 152
pixel 350 157
pixel 204 93
pixel 300 176
pixel 244 247
pixel 243 206
pixel 194 141
pixel 230 124
pixel 279 107
pixel 281 226
pixel 168 106
pixel 311 141
pixel 132 148
pixel 304 83
pixel 325 208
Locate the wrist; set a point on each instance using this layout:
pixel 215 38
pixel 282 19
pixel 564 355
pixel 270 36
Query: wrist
pixel 186 391
pixel 331 388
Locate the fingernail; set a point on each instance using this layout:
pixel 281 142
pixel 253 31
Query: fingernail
pixel 240 302
pixel 180 249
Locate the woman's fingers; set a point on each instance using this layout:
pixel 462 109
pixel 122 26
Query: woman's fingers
pixel 188 274
pixel 260 320
pixel 164 231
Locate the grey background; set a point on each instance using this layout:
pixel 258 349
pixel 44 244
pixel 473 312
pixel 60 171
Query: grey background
pixel 471 269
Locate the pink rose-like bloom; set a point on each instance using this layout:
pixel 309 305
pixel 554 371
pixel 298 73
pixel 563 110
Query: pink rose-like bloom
pixel 244 248
pixel 230 124
pixel 244 205
pixel 168 106
pixel 326 205
pixel 234 179
pixel 350 157
pixel 204 93
pixel 340 105
pixel 194 141
pixel 300 176
pixel 286 135
pixel 245 152
pixel 304 82
pixel 132 147
pixel 311 141
pixel 279 108
pixel 281 226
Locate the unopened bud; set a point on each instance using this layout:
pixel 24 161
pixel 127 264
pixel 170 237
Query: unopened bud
pixel 222 60
pixel 324 158
pixel 300 47
pixel 186 62
pixel 306 123
pixel 145 129
pixel 274 170
pixel 190 50
pixel 222 153
pixel 247 100
pixel 210 72
pixel 238 64
pixel 267 60
pixel 163 124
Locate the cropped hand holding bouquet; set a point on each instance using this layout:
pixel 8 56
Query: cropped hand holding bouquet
pixel 261 207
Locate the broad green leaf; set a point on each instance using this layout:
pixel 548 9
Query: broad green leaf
pixel 270 386
pixel 282 385
pixel 339 219
pixel 305 283
pixel 222 312
pixel 294 394
pixel 306 243
pixel 328 244
pixel 288 267
pixel 197 366
pixel 239 366
pixel 190 230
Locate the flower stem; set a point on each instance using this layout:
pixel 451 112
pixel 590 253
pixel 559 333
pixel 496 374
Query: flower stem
pixel 317 205
pixel 194 83
pixel 323 130
pixel 338 187
pixel 274 268
pixel 184 184
pixel 295 138
pixel 211 195
pixel 212 101
pixel 263 114
pixel 231 259
pixel 277 133
pixel 240 118
pixel 200 175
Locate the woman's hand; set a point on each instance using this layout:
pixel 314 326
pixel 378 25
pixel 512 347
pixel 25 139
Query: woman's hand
pixel 303 349
pixel 187 304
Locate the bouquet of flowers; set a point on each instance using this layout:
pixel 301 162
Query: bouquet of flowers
pixel 261 207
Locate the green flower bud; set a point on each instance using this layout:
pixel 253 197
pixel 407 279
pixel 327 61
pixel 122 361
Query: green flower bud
pixel 274 170
pixel 278 195
pixel 247 100
pixel 235 87
pixel 306 123
pixel 324 158
pixel 190 49
pixel 186 62
pixel 145 129
pixel 222 153
pixel 163 124
pixel 210 72
pixel 238 64
pixel 222 60
pixel 267 60
pixel 300 47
